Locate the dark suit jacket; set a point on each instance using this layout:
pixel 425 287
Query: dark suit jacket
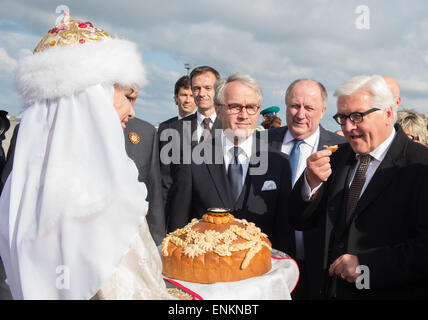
pixel 145 155
pixel 165 169
pixel 9 159
pixel 184 128
pixel 389 230
pixel 197 187
pixel 312 239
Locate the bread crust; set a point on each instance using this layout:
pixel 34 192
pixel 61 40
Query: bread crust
pixel 210 266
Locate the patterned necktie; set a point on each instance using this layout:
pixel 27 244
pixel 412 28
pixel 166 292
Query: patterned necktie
pixel 294 159
pixel 234 173
pixel 356 186
pixel 207 130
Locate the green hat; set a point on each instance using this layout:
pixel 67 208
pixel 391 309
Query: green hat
pixel 270 110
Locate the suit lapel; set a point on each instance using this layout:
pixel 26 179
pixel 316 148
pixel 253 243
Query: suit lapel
pixel 217 171
pixel 194 128
pixel 277 137
pixel 384 173
pixel 254 163
pixel 324 139
pixel 336 197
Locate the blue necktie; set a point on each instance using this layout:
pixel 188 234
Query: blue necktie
pixel 294 161
pixel 234 173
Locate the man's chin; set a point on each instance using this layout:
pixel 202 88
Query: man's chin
pixel 240 134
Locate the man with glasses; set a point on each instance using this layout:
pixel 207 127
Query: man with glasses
pixel 306 102
pixel 370 196
pixel 237 169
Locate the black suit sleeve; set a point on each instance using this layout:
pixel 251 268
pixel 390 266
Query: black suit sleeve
pixel 7 169
pixel 403 262
pixel 304 215
pixel 179 204
pixel 283 238
pixel 165 169
pixel 156 216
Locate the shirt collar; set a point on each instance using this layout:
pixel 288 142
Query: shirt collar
pixel 311 140
pixel 246 145
pixel 201 118
pixel 380 152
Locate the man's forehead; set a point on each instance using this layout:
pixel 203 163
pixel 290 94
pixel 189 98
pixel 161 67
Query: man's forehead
pixel 360 98
pixel 237 89
pixel 306 88
pixel 184 90
pixel 206 76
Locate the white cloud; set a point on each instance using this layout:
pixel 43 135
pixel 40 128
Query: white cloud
pixel 276 41
pixel 7 63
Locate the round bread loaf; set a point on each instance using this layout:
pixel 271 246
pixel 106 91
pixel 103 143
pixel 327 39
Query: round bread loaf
pixel 217 248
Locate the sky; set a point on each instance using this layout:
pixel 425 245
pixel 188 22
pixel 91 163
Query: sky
pixel 275 41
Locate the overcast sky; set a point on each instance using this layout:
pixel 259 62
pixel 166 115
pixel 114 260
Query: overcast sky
pixel 275 41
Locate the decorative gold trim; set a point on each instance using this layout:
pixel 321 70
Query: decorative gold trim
pixel 134 137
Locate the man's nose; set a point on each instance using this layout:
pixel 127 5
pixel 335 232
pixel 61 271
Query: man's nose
pixel 243 113
pixel 131 113
pixel 301 114
pixel 349 125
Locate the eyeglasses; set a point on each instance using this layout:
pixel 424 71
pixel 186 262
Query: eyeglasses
pixel 413 138
pixel 355 117
pixel 236 108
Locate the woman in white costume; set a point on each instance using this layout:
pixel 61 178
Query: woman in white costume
pixel 72 213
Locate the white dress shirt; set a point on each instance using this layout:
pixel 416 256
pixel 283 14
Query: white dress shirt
pixel 308 147
pixel 243 157
pixel 200 127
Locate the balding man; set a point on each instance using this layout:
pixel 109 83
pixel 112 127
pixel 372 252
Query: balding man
pixel 306 102
pixel 395 89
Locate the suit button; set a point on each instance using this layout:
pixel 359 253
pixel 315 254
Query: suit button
pixel 341 245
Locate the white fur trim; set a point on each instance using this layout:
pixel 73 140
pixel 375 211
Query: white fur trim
pixel 63 71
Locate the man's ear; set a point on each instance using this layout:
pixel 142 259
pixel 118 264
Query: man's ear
pixel 175 99
pixel 218 112
pixel 390 112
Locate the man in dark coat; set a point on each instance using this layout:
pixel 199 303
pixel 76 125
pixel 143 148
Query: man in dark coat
pixel 236 169
pixel 182 135
pixel 370 198
pixel 306 102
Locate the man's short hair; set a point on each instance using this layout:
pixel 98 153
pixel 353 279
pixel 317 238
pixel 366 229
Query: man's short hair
pixel 203 69
pixel 183 82
pixel 245 79
pixel 376 85
pixel 324 94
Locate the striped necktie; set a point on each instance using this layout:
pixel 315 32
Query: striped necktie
pixel 206 122
pixel 356 186
pixel 234 174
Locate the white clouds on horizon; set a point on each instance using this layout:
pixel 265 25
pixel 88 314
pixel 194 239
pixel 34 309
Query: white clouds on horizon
pixel 7 64
pixel 275 41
